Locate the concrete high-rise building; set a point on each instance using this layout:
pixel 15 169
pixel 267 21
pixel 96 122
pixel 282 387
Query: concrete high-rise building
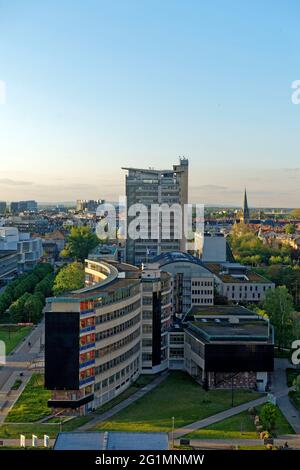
pixel 149 187
pixel 23 206
pixel 2 207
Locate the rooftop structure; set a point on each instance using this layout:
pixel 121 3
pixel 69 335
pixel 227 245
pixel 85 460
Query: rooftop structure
pixel 111 441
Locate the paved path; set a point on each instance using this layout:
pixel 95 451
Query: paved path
pixel 134 397
pixel 293 442
pixel 202 423
pixel 281 390
pixel 21 360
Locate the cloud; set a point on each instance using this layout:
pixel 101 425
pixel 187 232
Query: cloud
pixel 9 182
pixel 208 187
pixel 290 170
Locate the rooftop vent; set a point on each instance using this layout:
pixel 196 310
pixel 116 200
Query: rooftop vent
pixel 233 320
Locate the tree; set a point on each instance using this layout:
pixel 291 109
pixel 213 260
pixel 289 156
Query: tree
pixel 16 310
pixel 268 416
pixel 79 243
pixel 297 383
pixel 279 306
pixel 70 277
pixel 290 229
pixel 33 308
pixel 295 213
pixel 275 260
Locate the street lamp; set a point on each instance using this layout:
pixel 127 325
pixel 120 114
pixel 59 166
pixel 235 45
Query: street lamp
pixel 173 426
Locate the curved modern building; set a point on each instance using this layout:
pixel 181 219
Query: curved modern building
pixel 193 283
pixel 93 338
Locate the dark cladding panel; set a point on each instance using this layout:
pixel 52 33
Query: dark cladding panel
pixel 156 329
pixel 62 350
pixel 239 357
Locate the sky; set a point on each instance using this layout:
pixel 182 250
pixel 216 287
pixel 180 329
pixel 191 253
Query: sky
pixel 91 86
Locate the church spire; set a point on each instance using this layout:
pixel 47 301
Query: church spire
pixel 246 212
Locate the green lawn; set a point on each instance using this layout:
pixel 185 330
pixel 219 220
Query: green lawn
pixel 282 425
pixel 32 404
pixel 13 335
pixel 139 383
pixel 179 396
pixel 13 431
pixel 240 426
pixel 251 447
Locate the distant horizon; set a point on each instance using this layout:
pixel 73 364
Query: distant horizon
pixel 210 206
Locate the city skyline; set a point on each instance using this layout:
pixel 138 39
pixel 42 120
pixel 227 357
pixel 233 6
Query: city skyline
pixel 91 88
pixel 230 193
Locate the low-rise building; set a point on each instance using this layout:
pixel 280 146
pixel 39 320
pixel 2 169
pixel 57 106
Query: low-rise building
pixel 111 441
pixel 29 250
pixel 224 347
pixel 239 283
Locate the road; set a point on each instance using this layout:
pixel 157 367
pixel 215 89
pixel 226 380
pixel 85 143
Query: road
pixel 22 360
pixel 281 390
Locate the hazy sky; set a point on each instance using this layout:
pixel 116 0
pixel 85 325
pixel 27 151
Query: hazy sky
pixel 95 85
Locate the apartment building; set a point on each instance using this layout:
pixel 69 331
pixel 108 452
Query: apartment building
pixel 23 206
pixel 95 333
pixel 149 187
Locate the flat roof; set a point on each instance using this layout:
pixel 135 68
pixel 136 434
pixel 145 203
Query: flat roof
pixel 97 291
pixel 220 310
pixel 252 277
pixel 244 330
pixel 111 441
pixel 137 441
pixel 79 441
